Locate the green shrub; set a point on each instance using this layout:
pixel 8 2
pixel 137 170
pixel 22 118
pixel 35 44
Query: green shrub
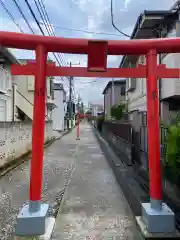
pixel 173 153
pixel 117 111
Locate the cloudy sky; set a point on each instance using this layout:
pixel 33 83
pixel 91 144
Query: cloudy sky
pixel 92 16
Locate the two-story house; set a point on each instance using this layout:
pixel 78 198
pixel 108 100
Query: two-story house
pixel 114 93
pixel 154 24
pixel 7 97
pixel 24 95
pixel 17 92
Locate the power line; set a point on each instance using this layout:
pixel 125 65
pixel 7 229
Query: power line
pixel 11 16
pixel 84 31
pixel 34 16
pixel 23 15
pixel 112 21
pixel 46 15
pixel 45 18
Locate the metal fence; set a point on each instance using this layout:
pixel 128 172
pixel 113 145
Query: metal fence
pixel 144 145
pixel 119 136
pixel 132 145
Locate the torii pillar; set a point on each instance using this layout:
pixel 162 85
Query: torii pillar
pixel 32 219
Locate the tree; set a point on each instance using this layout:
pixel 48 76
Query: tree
pixel 117 111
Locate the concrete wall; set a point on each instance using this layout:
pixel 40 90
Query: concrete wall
pixel 16 140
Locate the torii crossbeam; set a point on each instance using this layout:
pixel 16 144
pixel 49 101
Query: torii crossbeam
pixel 157 218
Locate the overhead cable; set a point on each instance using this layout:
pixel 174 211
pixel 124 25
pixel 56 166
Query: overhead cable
pixel 11 16
pixel 112 21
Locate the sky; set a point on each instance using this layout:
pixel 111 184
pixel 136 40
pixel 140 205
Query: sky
pixel 85 15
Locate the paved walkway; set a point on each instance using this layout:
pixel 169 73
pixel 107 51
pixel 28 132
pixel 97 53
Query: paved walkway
pixel 14 186
pixel 93 205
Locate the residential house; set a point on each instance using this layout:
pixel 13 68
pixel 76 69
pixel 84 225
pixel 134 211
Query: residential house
pixel 15 102
pixel 7 97
pixel 154 24
pixel 24 95
pixel 114 93
pixel 96 108
pixel 58 114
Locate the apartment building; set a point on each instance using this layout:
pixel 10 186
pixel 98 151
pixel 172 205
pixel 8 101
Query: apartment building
pixel 114 93
pixel 154 24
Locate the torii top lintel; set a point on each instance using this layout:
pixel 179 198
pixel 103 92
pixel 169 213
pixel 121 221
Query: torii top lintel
pixel 80 46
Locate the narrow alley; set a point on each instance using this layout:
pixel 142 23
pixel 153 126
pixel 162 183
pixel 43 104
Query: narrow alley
pixel 92 207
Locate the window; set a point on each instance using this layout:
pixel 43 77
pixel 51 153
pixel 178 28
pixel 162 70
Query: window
pixel 144 118
pixel 123 90
pixel 3 79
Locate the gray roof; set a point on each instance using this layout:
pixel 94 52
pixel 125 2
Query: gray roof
pixel 147 23
pixel 5 52
pixel 116 82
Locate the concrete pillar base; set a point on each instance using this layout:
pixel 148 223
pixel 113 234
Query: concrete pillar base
pixel 157 223
pixel 147 235
pixel 31 223
pixel 48 234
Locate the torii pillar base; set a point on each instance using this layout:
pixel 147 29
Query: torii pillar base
pixel 157 224
pixel 37 223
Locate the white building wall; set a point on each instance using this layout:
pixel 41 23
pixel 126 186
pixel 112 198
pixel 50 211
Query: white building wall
pixel 6 97
pixel 171 87
pixel 137 98
pixel 58 112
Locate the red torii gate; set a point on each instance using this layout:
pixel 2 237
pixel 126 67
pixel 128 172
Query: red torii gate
pixel 156 216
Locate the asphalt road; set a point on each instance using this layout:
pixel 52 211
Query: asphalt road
pixel 58 163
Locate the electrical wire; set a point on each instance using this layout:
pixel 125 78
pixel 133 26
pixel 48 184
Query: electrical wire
pixel 84 31
pixel 44 15
pixel 17 5
pixel 112 21
pixel 34 16
pixel 11 16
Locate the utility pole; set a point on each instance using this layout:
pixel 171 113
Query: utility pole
pixel 78 105
pixel 112 92
pixel 70 98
